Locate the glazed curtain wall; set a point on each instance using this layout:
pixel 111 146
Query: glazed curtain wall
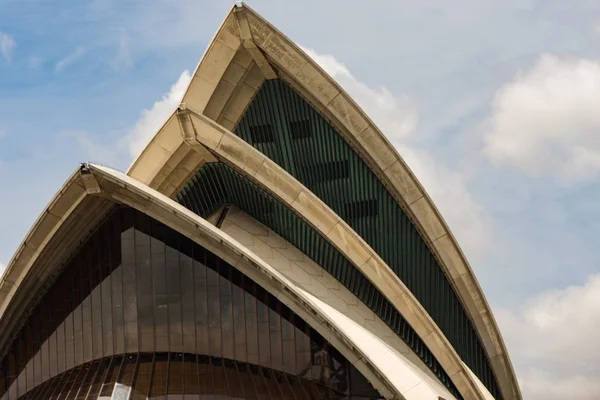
pixel 289 131
pixel 180 375
pixel 138 287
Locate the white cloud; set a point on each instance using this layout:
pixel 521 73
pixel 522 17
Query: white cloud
pixel 546 121
pixel 397 117
pixel 70 58
pixel 468 220
pixel 555 339
pixel 151 119
pixel 123 58
pixel 118 151
pixel 7 45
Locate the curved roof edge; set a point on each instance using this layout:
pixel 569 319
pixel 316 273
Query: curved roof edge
pixel 224 82
pixel 360 131
pixel 231 149
pixel 108 187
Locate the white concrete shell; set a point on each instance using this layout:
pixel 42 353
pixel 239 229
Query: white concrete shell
pixel 91 192
pixel 205 135
pixel 247 49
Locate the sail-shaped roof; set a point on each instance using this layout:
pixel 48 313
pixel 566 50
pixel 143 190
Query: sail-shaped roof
pixel 251 68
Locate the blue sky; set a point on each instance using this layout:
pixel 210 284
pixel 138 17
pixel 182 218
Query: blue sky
pixel 493 104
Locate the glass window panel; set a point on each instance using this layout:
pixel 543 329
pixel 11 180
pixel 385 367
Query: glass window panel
pixel 30 352
pixel 72 384
pixel 144 291
pixel 22 360
pixel 187 300
pixel 214 320
pixel 173 298
pixel 175 386
pixel 12 373
pixel 41 391
pixel 226 316
pixel 96 384
pixel 105 293
pixel 161 317
pixel 60 387
pixel 214 310
pixel 141 385
pixel 246 381
pixel 118 310
pixel 218 373
pixel 233 381
pixel 88 379
pixel 262 392
pixel 251 328
pixel 61 361
pixel 107 324
pixel 239 323
pixel 205 379
pixel 96 297
pixel 86 306
pixel 190 376
pixel 111 376
pixel 3 372
pixel 159 378
pixel 285 387
pixel 129 284
pixel 201 304
pixel 276 342
pixel 272 384
pixel 116 278
pixel 264 341
pixel 288 343
pixel 128 370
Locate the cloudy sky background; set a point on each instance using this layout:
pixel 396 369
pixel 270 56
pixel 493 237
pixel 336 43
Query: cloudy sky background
pixel 494 105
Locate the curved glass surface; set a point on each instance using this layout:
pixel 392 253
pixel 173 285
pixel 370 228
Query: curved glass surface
pixel 179 376
pixel 142 305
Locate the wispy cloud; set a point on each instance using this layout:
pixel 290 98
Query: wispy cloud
pixel 7 45
pixel 123 59
pixel 119 151
pixel 151 119
pixel 556 329
pixel 70 58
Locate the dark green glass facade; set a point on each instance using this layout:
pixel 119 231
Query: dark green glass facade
pixel 288 130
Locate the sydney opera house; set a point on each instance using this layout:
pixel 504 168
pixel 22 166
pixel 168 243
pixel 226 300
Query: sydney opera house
pixel 268 243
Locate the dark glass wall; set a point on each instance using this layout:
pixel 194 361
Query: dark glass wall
pixel 142 306
pixel 288 130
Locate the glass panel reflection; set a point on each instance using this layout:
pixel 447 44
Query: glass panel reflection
pixel 145 311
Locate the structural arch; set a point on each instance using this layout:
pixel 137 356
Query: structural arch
pixel 214 185
pixel 97 189
pixel 245 52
